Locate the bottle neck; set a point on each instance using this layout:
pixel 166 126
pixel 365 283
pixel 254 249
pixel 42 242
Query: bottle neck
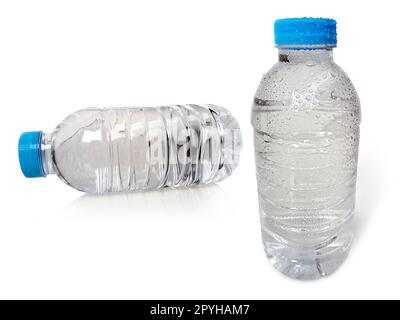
pixel 47 153
pixel 305 55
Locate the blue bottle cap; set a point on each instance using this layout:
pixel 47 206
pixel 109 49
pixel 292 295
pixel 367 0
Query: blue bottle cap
pixel 305 31
pixel 30 154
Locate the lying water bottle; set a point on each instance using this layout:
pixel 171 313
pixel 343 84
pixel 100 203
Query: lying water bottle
pixel 126 149
pixel 306 117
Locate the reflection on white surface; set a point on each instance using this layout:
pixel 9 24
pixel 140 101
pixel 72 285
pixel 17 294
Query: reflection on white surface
pixel 162 202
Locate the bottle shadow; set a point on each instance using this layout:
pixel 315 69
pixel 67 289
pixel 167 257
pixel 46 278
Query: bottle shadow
pixel 167 202
pixel 368 198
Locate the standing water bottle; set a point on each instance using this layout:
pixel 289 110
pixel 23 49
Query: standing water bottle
pixel 306 117
pixel 126 149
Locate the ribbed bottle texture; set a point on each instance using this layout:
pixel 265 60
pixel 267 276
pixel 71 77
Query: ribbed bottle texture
pixel 126 149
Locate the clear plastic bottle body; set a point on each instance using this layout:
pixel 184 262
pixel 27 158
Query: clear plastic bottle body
pixel 306 117
pixel 126 149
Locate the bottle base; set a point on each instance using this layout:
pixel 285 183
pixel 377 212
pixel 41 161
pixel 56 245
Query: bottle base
pixel 308 264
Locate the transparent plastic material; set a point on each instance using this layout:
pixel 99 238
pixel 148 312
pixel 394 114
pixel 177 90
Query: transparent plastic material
pixel 306 117
pixel 127 149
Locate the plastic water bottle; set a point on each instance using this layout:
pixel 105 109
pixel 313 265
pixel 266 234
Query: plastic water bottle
pixel 306 117
pixel 126 149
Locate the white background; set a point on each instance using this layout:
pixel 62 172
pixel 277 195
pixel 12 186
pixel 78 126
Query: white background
pixel 60 56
